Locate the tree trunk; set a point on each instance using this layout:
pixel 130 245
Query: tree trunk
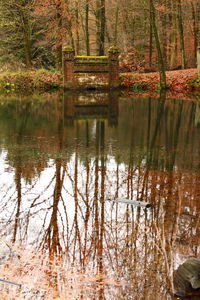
pixel 116 25
pixel 173 37
pixel 100 22
pixel 164 22
pixel 87 36
pixel 161 65
pixel 150 40
pixel 77 29
pixel 58 42
pixel 195 29
pixel 181 34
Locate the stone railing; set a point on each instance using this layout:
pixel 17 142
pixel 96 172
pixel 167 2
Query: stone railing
pixel 76 67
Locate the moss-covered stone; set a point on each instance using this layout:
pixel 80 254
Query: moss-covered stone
pixel 91 59
pixel 113 49
pixel 68 48
pixel 91 56
pixel 187 277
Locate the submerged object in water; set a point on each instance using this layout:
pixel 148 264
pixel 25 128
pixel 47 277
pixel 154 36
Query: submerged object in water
pixel 131 202
pixel 187 277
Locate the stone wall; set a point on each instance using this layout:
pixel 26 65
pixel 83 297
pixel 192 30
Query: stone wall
pixel 82 72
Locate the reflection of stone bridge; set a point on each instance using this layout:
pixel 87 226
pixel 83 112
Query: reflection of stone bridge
pixel 94 105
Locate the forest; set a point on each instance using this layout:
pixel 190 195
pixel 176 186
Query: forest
pixel 100 149
pixel 149 33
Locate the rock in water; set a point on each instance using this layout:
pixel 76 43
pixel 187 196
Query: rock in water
pixel 187 277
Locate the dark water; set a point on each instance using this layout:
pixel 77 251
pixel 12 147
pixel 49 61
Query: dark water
pixel 63 157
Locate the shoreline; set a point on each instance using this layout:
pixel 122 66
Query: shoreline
pixel 179 82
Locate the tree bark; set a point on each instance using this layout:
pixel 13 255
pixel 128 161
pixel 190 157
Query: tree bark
pixel 77 29
pixel 150 40
pixel 195 29
pixel 173 37
pixel 161 65
pixel 181 34
pixel 116 25
pixel 100 21
pixel 87 36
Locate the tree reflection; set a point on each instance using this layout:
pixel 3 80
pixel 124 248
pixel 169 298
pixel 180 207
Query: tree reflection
pixel 92 158
pixel 52 238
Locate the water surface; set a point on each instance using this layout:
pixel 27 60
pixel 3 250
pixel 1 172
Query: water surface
pixel 63 157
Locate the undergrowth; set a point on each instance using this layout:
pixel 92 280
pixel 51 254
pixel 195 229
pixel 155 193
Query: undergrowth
pixel 139 86
pixel 30 80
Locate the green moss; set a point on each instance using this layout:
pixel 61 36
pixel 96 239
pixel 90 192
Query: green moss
pixel 90 57
pixel 196 80
pixel 139 86
pixel 194 84
pixel 113 49
pixel 68 48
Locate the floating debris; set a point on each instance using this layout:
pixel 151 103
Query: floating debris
pixel 10 282
pixel 131 202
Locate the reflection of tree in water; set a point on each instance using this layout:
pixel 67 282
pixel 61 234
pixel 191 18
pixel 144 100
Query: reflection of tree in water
pixel 52 232
pixel 23 119
pixel 132 245
pixel 22 164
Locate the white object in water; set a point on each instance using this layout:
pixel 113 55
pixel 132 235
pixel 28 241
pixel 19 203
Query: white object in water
pixel 131 202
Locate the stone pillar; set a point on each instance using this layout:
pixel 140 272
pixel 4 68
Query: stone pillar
pixel 198 61
pixel 113 67
pixel 68 67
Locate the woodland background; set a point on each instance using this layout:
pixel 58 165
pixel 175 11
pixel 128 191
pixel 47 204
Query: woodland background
pixel 32 32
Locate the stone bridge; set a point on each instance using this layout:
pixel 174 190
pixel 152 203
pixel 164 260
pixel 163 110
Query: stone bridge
pixel 91 72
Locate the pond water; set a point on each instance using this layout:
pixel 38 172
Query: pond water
pixel 62 159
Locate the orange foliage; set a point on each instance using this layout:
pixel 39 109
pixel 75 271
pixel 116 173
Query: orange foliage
pixel 177 81
pixel 59 19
